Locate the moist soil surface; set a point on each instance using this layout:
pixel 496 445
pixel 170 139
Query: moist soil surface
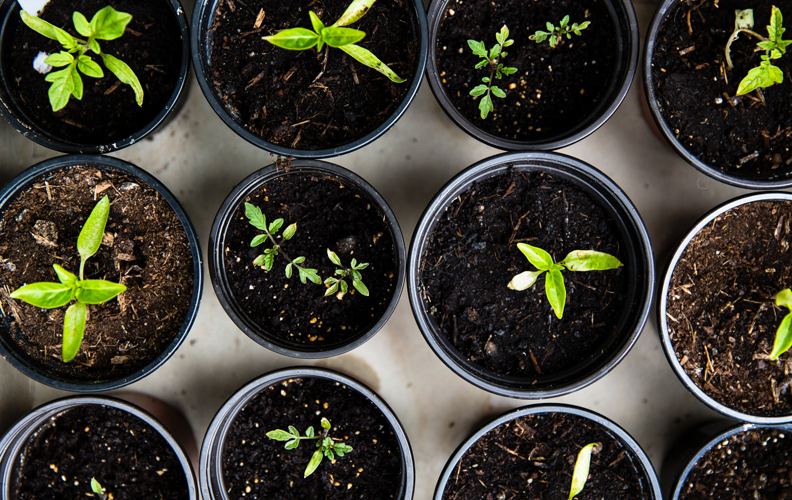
pixel 534 456
pixel 258 467
pixel 751 464
pixel 329 213
pixel 144 248
pixel 129 458
pixel 721 314
pixel 304 99
pixel 696 94
pixel 554 89
pixel 472 255
pixel 107 113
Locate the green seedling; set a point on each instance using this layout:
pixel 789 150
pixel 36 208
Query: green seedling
pixel 556 33
pixel 581 472
pixel 53 295
pixel 267 259
pixel 335 36
pixel 576 260
pixel 107 24
pixel 783 339
pixel 97 488
pixel 493 60
pixel 327 445
pixel 774 46
pixel 334 284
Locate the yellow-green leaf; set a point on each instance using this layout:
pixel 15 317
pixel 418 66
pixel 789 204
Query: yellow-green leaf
pixel 109 24
pixel 93 230
pixel 590 260
pixel 316 459
pixel 65 276
pixel 355 11
pixel 123 72
pixel 63 86
pixel 294 39
pixel 783 339
pixel 41 26
pixel 81 24
pixel 536 256
pixel 89 67
pixel 45 295
pixel 338 37
pixel 556 291
pixel 73 330
pixel 365 57
pixel 581 472
pixel 98 291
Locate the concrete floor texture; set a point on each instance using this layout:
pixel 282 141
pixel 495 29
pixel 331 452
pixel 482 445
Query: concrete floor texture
pixel 201 160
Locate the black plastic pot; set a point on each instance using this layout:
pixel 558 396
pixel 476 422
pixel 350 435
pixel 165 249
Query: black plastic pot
pixel 652 483
pixel 15 439
pixel 38 372
pixel 210 471
pixel 662 304
pixel 623 16
pixel 639 264
pixel 20 121
pixel 220 280
pixel 202 41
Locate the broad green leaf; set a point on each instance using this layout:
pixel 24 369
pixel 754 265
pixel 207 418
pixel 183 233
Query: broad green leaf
pixel 743 19
pixel 258 240
pixel 775 29
pixel 41 26
pixel 289 231
pixel 309 274
pixel 98 291
pixel 256 218
pixel 341 449
pixel 45 295
pixel 294 39
pixel 478 90
pixel 123 72
pixel 309 432
pixel 478 48
pixel 77 92
pixel 564 21
pixel 497 92
pixel 332 289
pixel 73 330
pixel 269 261
pixel 486 79
pixel 317 23
pixel 89 67
pixel 764 75
pixel 784 298
pixel 356 274
pixel 95 486
pixel 299 260
pixel 109 24
pixel 494 51
pixel 294 443
pixel 363 56
pixel 328 452
pixel 581 471
pixel 325 424
pixel 65 276
pixel 524 280
pixel 590 260
pixel 93 230
pixel 360 287
pixel 279 435
pixel 294 431
pixel 259 261
pixel 63 85
pixel 81 24
pixel 59 59
pixel 360 266
pixel 355 11
pixel 556 291
pixel 338 37
pixel 334 258
pixel 485 105
pixel 330 281
pixel 481 64
pixel 343 286
pixel 536 256
pixel 550 27
pixel 288 270
pixel 553 40
pixel 94 46
pixel 275 226
pixel 783 339
pixel 316 459
pixel 509 71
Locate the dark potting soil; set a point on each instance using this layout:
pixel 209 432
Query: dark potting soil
pixel 472 255
pixel 144 247
pixel 721 315
pixel 751 464
pixel 554 89
pixel 151 46
pixel 129 458
pixel 304 99
pixel 534 456
pixel 696 93
pixel 257 467
pixel 330 214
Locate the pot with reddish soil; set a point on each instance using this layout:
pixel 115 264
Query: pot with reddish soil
pixel 716 312
pixel 464 254
pixel 737 139
pixel 306 103
pixel 330 209
pixel 531 452
pixel 155 45
pixel 59 449
pixel 558 95
pixel 149 245
pixel 238 459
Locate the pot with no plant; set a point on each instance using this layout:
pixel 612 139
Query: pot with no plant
pixel 94 79
pixel 530 274
pixel 306 433
pixel 309 80
pixel 553 452
pixel 101 273
pixel 716 79
pixel 307 258
pixel 724 305
pixel 93 447
pixel 531 75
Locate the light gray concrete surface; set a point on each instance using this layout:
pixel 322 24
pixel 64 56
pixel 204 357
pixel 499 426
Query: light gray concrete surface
pixel 201 160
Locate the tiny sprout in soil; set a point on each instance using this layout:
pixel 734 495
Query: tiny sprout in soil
pixel 97 488
pixel 783 340
pixel 774 46
pixel 556 33
pixel 335 36
pixel 327 445
pixel 493 60
pixel 576 260
pixel 107 24
pixel 581 472
pixel 52 295
pixel 334 284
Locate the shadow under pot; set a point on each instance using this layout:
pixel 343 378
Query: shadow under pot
pixel 148 246
pixel 107 117
pixel 238 458
pixel 549 96
pixel 743 140
pixel 100 447
pixel 532 452
pixel 307 103
pixel 717 313
pixel 467 250
pixel 271 264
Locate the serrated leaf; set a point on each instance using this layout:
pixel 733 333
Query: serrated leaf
pixel 63 86
pixel 269 261
pixel 289 231
pixel 109 24
pixel 294 443
pixel 509 71
pixel 124 73
pixel 97 291
pixel 275 226
pixel 81 24
pixel 89 67
pixel 485 105
pixel 59 59
pixel 92 232
pixel 258 240
pixel 316 459
pixel 550 27
pixel 524 280
pixel 328 452
pixel 360 287
pixel 497 92
pixel 334 258
pixel 338 37
pixel 556 291
pixel 45 295
pixel 590 260
pixel 536 256
pixel 255 217
pixel 73 330
pixel 365 57
pixel 355 11
pixel 478 48
pixel 309 274
pixel 564 21
pixel 481 64
pixel 279 435
pixel 294 39
pixel 581 471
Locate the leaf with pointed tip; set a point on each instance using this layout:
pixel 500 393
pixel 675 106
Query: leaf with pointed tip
pixel 360 287
pixel 89 67
pixel 124 73
pixel 294 443
pixel 581 471
pixel 279 435
pixel 289 231
pixel 92 232
pixel 299 260
pixel 485 105
pixel 45 295
pixel 95 486
pixel 590 260
pixel 109 24
pixel 64 85
pixel 478 48
pixel 309 432
pixel 98 291
pixel 536 256
pixel 73 330
pixel 255 217
pixel 65 276
pixel 288 270
pixel 42 27
pixel 258 240
pixel 497 92
pixel 316 459
pixel 81 24
pixel 275 225
pixel 343 286
pixel 59 59
pixel 478 90
pixel 269 261
pixel 365 57
pixel 338 37
pixel 259 261
pixel 294 39
pixel 556 291
pixel 333 289
pixel 317 23
pixel 334 258
pixel 355 11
